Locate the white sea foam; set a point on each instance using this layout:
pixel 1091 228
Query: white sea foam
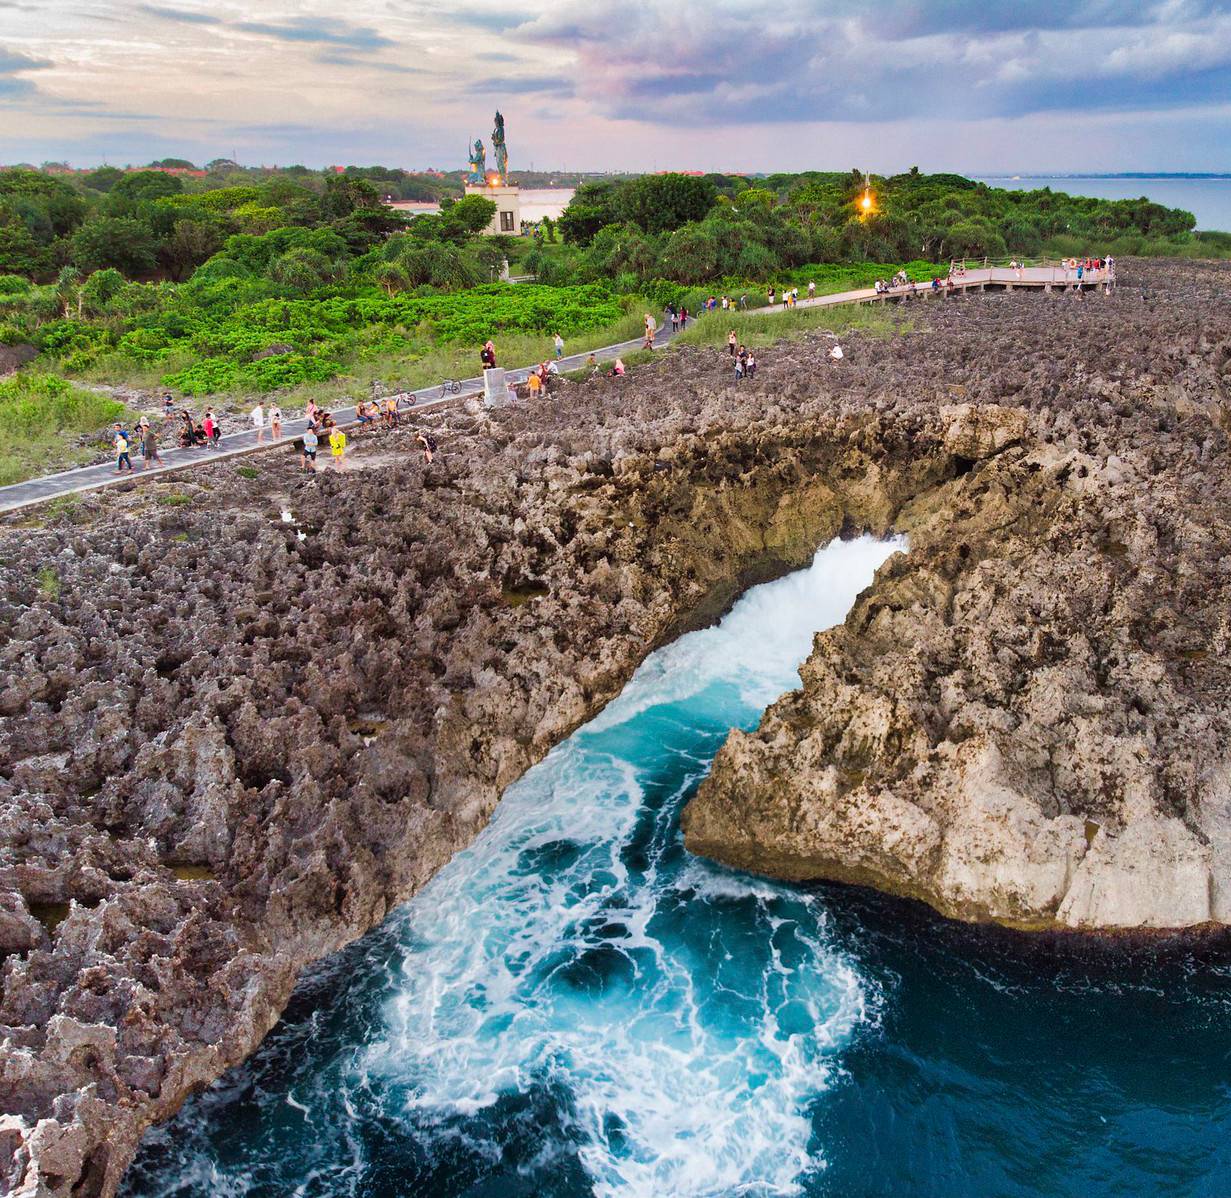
pixel 689 1014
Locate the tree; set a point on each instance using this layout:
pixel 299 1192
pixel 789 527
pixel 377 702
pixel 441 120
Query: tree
pixel 302 269
pixel 345 193
pixel 181 164
pixel 19 252
pixel 124 242
pixel 103 179
pixel 470 215
pixel 100 289
pixel 592 207
pixel 191 242
pixel 663 203
pixel 147 185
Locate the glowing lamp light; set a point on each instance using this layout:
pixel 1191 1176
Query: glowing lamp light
pixel 866 201
pixel 493 178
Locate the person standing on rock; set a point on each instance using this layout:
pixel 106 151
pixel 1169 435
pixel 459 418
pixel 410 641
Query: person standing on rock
pixel 275 423
pixel 310 443
pixel 732 343
pixel 258 422
pixel 337 448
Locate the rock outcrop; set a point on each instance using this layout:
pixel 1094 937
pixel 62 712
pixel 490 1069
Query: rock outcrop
pixel 1027 718
pixel 230 742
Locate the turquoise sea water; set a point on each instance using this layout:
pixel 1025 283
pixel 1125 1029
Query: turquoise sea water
pixel 1209 200
pixel 576 1007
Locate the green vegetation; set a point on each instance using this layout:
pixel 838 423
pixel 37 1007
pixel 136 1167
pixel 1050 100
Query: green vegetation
pixel 232 283
pixel 42 418
pixel 759 331
pixel 248 472
pixel 175 499
pixel 49 583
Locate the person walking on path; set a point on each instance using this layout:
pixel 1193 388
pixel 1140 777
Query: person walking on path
pixel 310 443
pixel 275 423
pixel 559 344
pixel 337 448
pixel 771 297
pixel 650 329
pixel 429 446
pixel 812 291
pixel 149 446
pixel 258 422
pixel 209 427
pixel 122 442
pixel 168 406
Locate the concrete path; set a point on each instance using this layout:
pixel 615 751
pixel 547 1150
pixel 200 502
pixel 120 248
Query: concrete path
pixel 89 478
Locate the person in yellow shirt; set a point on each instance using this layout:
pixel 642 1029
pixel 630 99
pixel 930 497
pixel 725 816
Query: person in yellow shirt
pixel 534 383
pixel 337 447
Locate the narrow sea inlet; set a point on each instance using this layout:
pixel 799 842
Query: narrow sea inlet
pixel 576 1007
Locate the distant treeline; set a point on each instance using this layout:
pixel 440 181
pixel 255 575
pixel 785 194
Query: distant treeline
pixel 695 229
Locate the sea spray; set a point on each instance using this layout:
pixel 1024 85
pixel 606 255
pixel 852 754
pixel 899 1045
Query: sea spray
pixel 574 1004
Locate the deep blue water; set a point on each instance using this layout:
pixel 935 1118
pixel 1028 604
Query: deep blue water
pixel 576 1007
pixel 1209 200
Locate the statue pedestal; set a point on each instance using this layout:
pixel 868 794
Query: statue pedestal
pixel 495 389
pixel 507 198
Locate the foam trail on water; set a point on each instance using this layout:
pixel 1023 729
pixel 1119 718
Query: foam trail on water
pixel 688 1015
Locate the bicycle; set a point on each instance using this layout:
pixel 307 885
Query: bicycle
pixel 453 386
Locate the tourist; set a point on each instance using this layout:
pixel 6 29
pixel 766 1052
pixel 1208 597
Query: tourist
pixel 743 354
pixel 618 368
pixel 149 445
pixel 725 303
pixel 732 343
pixel 534 384
pixel 553 368
pixel 337 447
pixel 310 442
pixel 743 301
pixel 674 316
pixel 429 446
pixel 143 422
pixel 209 427
pixel 683 319
pixel 186 430
pixel 750 367
pixel 392 418
pixel 488 356
pixel 592 361
pixel 275 422
pixel 739 370
pixel 771 297
pixel 812 291
pixel 121 441
pixel 168 404
pixel 559 344
pixel 258 422
pixel 362 414
pixel 650 329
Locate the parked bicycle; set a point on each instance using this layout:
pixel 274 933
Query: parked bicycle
pixel 450 386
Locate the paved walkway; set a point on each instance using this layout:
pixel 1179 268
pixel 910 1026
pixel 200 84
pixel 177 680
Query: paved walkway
pixel 89 478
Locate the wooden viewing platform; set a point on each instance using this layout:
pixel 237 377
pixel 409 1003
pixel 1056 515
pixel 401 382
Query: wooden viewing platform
pixel 1046 278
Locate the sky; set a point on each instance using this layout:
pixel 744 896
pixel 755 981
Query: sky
pixel 979 86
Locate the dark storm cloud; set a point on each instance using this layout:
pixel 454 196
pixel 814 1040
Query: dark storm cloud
pixel 802 60
pixel 320 30
pixel 178 14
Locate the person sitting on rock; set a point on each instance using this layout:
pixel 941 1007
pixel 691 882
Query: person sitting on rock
pixel 618 369
pixel 362 414
pixel 429 446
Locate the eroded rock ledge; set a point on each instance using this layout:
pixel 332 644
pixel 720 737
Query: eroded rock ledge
pixel 227 750
pixel 1027 719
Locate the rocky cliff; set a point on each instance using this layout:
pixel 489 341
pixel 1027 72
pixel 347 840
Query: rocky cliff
pixel 1027 718
pixel 230 742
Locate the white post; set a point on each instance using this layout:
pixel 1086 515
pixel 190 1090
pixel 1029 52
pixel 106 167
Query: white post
pixel 494 389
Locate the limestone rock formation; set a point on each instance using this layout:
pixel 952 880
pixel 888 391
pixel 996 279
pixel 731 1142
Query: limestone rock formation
pixel 1027 718
pixel 230 744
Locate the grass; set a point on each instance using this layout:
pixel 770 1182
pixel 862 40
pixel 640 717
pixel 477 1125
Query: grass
pixel 175 499
pixel 43 418
pixel 49 583
pixel 248 472
pixel 760 331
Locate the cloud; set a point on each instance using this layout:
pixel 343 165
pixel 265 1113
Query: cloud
pixel 324 30
pixel 783 61
pixel 179 14
pixel 12 66
pixel 335 59
pixel 509 86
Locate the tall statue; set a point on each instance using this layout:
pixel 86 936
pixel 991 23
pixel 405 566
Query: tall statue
pixel 502 153
pixel 478 163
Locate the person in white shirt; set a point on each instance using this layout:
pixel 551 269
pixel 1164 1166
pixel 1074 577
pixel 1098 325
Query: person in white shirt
pixel 258 422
